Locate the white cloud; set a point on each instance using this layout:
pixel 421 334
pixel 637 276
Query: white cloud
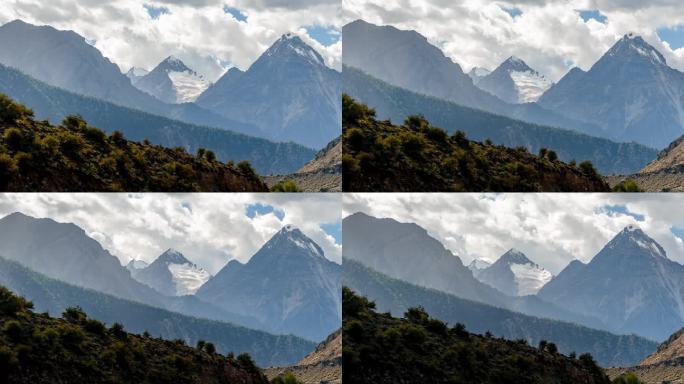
pixel 199 32
pixel 551 229
pixel 210 229
pixel 549 35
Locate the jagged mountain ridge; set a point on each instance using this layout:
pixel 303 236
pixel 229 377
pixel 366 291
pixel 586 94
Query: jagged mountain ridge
pixel 630 284
pixel 630 92
pixel 289 285
pixel 288 92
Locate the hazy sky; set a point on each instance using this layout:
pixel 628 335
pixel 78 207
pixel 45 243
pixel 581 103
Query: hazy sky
pixel 550 35
pixel 209 229
pixel 552 229
pixel 208 35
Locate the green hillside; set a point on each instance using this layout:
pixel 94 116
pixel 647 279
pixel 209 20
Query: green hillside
pixel 397 103
pixel 416 156
pixel 36 348
pixel 55 104
pixel 417 348
pixel 397 296
pixel 74 156
pixel 55 296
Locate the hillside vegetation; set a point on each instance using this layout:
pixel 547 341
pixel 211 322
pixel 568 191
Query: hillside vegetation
pixel 416 156
pixel 55 104
pixel 36 348
pixel 398 296
pixel 379 348
pixel 396 103
pixel 55 296
pixel 74 156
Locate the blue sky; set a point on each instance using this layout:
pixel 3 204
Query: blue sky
pixel 325 35
pixel 253 210
pixel 595 14
pixel 672 35
pixel 236 13
pixel 155 12
pixel 621 209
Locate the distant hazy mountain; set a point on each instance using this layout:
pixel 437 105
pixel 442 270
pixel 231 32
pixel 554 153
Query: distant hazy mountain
pixel 396 103
pixel 289 93
pixel 514 82
pixel 630 284
pixel 397 296
pixel 135 73
pixel 405 251
pixel 479 264
pixel 170 274
pixel 64 59
pixel 288 285
pixel 406 59
pixel 55 296
pixel 630 92
pixel 65 252
pixel 513 273
pixel 172 82
pixel 477 73
pixel 54 104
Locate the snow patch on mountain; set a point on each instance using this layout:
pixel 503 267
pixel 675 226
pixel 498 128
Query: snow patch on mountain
pixel 480 263
pixel 530 84
pixel 188 278
pixel 137 264
pixel 530 278
pixel 188 85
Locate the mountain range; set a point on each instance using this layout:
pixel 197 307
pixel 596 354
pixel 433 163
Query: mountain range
pixel 54 296
pixel 390 247
pixel 289 94
pixel 396 103
pixel 630 284
pixel 55 104
pixel 288 285
pixel 396 296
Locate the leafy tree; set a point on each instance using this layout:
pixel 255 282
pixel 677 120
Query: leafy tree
pixel 628 185
pixel 287 185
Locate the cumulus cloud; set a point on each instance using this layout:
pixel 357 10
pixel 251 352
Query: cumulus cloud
pixel 549 35
pixel 209 229
pixel 200 32
pixel 551 229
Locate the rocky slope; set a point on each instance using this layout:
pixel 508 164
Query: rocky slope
pixel 665 365
pixel 665 173
pixel 322 174
pixel 323 365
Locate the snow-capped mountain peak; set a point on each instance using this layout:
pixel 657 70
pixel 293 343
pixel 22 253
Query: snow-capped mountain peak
pixel 515 273
pixel 292 44
pixel 290 237
pixel 633 237
pixel 136 73
pixel 515 82
pixel 478 73
pixel 173 82
pixel 631 45
pixel 172 274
